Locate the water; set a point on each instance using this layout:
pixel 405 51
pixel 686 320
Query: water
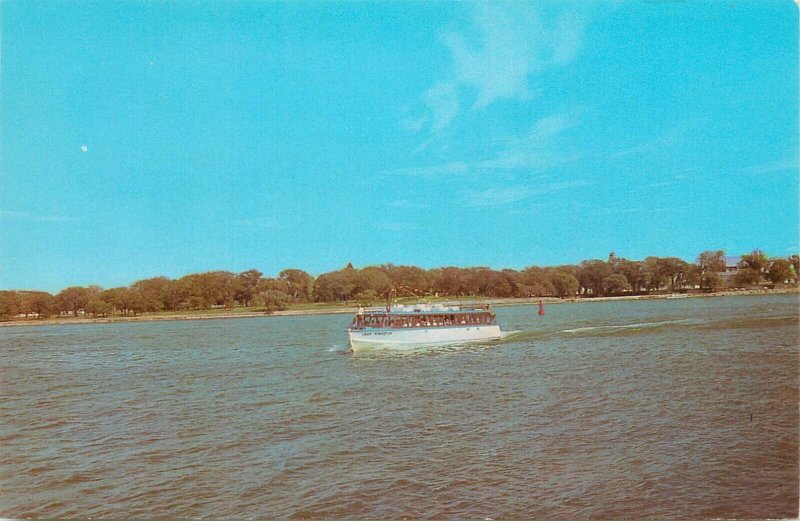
pixel 598 410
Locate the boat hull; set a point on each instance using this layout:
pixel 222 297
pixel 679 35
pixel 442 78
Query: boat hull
pixel 414 338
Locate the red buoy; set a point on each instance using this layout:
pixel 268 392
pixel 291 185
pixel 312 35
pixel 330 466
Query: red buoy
pixel 541 308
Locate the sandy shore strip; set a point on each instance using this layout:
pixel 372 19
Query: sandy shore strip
pixel 156 317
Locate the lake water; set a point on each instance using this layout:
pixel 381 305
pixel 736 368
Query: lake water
pixel 629 409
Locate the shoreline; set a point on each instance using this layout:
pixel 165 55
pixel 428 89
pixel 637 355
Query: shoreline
pixel 350 310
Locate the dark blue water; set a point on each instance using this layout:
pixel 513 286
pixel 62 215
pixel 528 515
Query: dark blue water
pixel 596 410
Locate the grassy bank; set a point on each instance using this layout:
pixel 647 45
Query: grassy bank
pixel 320 308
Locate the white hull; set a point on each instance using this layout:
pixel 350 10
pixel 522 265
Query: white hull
pixel 412 338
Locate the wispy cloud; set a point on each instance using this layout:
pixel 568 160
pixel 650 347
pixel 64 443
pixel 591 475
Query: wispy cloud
pixel 772 167
pixel 33 217
pixel 511 42
pixel 406 204
pixel 548 127
pixel 497 196
pixel 621 210
pixel 532 152
pixel 454 167
pixel 672 136
pixel 686 173
pixel 263 223
pixel 442 101
pixel 395 226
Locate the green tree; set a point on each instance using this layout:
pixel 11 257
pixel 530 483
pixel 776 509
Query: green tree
pixel 450 281
pixel 780 270
pixel 10 304
pixel 213 288
pixel 754 265
pixel 372 278
pixel 119 300
pixel 495 284
pixel 153 292
pixel 592 274
pixel 275 301
pixel 711 281
pixel 710 264
pixel 300 282
pixel 747 276
pixel 633 271
pixel 563 283
pixel 40 303
pixel 367 297
pixel 248 286
pixel 336 285
pixel 537 282
pixel 711 261
pixel 134 302
pixel 98 307
pixel 795 262
pixel 417 280
pixel 176 295
pixel 654 272
pixel 615 284
pixel 73 299
pixel 115 299
pixel 674 270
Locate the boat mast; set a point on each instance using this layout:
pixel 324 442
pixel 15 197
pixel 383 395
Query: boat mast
pixel 389 300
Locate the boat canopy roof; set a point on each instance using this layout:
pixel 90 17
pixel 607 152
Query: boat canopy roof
pixel 413 309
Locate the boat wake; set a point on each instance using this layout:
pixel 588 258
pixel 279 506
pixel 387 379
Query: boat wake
pixel 621 329
pixel 521 335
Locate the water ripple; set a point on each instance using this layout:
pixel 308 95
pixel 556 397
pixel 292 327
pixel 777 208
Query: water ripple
pixel 668 409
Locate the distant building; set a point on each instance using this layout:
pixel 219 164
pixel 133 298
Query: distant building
pixel 732 263
pixel 731 268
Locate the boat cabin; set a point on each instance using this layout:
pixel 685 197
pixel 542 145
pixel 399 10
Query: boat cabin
pixel 426 316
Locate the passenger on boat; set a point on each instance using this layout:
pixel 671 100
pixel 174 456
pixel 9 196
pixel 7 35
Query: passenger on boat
pixel 360 316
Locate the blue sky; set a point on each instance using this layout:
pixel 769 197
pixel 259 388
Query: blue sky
pixel 154 138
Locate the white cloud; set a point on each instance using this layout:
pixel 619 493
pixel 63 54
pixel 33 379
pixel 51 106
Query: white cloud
pixel 442 100
pixel 672 136
pixel 521 158
pixel 499 65
pixel 496 196
pixel 549 127
pixel 42 218
pixel 619 210
pixel 511 42
pixel 773 167
pixel 406 204
pixel 264 223
pixel 534 151
pixel 395 226
pixel 454 167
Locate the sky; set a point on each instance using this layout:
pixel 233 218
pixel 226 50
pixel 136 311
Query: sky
pixel 141 139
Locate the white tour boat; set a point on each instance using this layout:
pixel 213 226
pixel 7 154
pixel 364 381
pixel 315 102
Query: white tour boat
pixel 413 326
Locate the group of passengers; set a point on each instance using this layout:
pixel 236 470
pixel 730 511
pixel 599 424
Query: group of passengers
pixel 442 320
pixel 368 320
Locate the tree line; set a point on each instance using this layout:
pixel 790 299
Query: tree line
pixel 202 291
